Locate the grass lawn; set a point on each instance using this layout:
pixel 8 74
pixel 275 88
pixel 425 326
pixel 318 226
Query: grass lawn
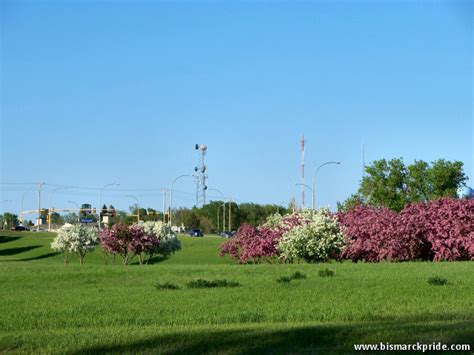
pixel 47 307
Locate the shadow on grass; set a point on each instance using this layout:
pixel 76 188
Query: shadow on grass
pixel 39 257
pixel 158 259
pixel 14 251
pixel 306 339
pixel 7 239
pixel 154 260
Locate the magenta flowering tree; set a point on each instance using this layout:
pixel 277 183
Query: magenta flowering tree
pixel 142 244
pixel 128 241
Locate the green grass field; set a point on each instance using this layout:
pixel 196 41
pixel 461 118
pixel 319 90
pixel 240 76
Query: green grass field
pixel 47 307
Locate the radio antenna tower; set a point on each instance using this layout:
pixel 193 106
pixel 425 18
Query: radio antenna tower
pixel 302 171
pixel 201 176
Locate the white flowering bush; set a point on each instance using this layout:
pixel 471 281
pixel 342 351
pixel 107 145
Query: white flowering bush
pixel 169 242
pixel 75 240
pixel 273 221
pixel 317 238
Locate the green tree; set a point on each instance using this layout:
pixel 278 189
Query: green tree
pixel 9 220
pixel 393 185
pixel 70 218
pixel 56 218
pixel 446 178
pixel 353 201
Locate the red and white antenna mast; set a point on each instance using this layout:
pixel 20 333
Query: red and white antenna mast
pixel 302 171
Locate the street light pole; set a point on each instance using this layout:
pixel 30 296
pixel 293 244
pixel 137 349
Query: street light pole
pixel 314 179
pixel 78 211
pixel 171 195
pixel 223 213
pixel 39 205
pixel 50 205
pixel 100 198
pixel 218 212
pixel 21 206
pixel 138 207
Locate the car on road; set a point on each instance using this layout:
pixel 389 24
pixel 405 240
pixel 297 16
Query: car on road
pixel 19 228
pixel 227 234
pixel 196 233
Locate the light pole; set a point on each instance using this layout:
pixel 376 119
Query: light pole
pixel 50 204
pixel 171 195
pixel 223 213
pixel 100 198
pixel 138 207
pixel 218 211
pixel 21 206
pixel 314 179
pixel 78 211
pixel 39 206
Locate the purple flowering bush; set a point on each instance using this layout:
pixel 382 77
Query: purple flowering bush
pixel 436 230
pixel 255 244
pixel 128 241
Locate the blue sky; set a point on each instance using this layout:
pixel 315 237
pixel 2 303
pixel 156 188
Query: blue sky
pixel 116 91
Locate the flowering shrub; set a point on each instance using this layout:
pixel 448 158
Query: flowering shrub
pixel 318 238
pixel 75 239
pixel 262 243
pixel 372 235
pixel 252 244
pixel 128 241
pixel 273 221
pixel 168 241
pixel 436 230
pixel 142 244
pixel 447 225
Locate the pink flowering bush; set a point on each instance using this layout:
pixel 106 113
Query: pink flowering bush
pixel 128 241
pixel 252 244
pixel 437 230
pixel 447 226
pixel 375 234
pixel 260 243
pixel 255 244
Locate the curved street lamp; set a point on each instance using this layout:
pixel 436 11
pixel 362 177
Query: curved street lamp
pixel 314 180
pixel 50 204
pixel 78 211
pixel 21 206
pixel 171 195
pixel 100 198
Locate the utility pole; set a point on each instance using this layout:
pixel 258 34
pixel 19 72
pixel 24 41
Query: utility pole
pixel 230 214
pixel 171 196
pixel 39 205
pixel 164 204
